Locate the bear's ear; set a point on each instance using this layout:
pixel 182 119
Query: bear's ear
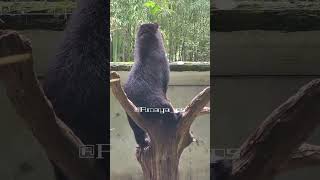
pixel 157 25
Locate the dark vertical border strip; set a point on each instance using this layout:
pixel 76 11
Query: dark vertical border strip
pixel 108 88
pixel 212 89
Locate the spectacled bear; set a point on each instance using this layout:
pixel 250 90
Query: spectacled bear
pixel 148 79
pixel 77 81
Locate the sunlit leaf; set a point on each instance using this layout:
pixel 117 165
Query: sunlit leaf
pixel 149 4
pixel 155 10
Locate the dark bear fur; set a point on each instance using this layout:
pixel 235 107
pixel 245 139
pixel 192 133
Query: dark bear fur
pixel 148 79
pixel 77 81
pixel 221 169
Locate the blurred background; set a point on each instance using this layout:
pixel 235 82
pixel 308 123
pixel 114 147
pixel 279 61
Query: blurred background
pixel 184 25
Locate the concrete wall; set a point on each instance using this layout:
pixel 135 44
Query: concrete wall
pixel 259 52
pixel 44 44
pixel 21 157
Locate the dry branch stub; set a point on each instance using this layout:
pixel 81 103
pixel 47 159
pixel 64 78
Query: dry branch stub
pixel 307 155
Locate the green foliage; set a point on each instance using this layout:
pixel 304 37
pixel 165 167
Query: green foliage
pixel 153 7
pixel 185 25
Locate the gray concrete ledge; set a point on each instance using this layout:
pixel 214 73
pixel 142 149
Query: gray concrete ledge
pixel 175 66
pixel 235 15
pixel 191 78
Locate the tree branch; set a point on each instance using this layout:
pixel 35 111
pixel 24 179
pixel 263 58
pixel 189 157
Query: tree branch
pixel 126 104
pixel 28 98
pixel 306 156
pixel 204 111
pixel 195 108
pixel 279 136
pixel 18 58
